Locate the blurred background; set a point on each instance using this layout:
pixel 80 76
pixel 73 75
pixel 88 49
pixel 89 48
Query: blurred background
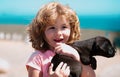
pixel 97 18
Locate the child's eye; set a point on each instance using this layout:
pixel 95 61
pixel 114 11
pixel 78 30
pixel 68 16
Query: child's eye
pixel 52 27
pixel 65 27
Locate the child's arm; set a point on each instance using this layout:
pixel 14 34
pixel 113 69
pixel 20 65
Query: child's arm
pixel 32 72
pixel 67 50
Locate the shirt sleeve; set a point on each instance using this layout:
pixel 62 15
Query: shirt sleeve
pixel 34 61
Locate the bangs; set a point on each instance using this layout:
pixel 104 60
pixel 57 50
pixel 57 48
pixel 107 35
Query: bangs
pixel 49 14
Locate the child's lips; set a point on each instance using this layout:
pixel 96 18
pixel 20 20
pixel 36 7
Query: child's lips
pixel 58 40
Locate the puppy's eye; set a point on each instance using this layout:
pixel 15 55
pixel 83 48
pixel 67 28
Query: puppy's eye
pixel 105 45
pixel 97 47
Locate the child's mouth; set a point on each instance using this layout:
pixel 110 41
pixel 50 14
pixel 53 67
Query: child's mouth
pixel 58 40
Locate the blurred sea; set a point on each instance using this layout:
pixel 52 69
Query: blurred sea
pixel 100 22
pixel 103 22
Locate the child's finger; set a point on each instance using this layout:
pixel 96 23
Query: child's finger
pixel 50 69
pixel 67 71
pixel 59 67
pixel 57 49
pixel 64 66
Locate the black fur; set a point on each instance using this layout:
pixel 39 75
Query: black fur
pixel 98 46
pixel 87 49
pixel 75 66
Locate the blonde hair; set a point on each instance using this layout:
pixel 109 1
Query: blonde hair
pixel 46 16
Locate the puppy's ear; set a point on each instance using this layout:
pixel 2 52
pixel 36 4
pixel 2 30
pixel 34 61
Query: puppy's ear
pixel 94 46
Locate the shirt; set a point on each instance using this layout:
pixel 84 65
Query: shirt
pixel 40 61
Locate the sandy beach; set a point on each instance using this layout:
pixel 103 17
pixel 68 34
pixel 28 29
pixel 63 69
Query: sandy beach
pixel 16 53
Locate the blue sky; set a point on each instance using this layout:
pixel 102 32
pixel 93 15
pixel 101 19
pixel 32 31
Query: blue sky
pixel 23 11
pixel 83 7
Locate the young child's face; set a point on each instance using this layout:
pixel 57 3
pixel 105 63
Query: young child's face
pixel 58 33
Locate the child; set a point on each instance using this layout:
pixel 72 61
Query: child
pixel 54 27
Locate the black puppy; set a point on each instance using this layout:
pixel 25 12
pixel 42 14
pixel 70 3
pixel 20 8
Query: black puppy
pixel 87 49
pixel 97 46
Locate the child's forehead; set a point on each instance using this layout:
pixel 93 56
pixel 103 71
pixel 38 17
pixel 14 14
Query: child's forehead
pixel 59 18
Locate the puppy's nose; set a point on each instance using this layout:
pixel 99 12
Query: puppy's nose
pixel 111 52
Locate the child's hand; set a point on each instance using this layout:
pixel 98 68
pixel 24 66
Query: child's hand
pixel 61 71
pixel 65 49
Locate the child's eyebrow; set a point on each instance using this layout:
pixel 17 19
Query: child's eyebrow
pixel 51 25
pixel 65 24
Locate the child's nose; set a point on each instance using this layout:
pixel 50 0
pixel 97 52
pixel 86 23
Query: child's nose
pixel 58 32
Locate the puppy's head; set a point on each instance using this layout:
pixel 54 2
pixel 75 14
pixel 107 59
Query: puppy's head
pixel 103 47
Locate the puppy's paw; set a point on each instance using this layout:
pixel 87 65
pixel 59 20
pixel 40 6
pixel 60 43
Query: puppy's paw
pixel 93 63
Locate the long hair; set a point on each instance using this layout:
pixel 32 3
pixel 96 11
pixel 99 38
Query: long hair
pixel 46 16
